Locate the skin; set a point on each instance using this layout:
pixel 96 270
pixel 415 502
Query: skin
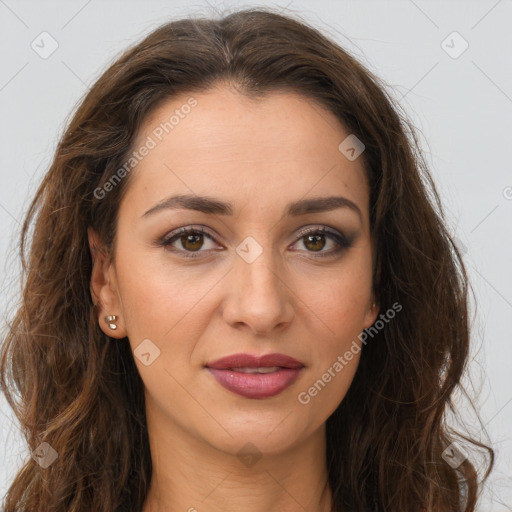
pixel 259 155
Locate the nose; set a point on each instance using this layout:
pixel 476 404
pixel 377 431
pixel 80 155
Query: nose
pixel 257 297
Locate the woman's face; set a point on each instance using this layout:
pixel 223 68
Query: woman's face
pixel 254 281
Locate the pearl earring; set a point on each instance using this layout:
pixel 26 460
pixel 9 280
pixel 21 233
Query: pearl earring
pixel 111 321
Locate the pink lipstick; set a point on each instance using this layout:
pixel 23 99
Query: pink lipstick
pixel 255 377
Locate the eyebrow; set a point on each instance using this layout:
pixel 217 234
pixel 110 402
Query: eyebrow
pixel 212 206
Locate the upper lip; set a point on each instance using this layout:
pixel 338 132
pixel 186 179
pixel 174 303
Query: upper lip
pixel 251 361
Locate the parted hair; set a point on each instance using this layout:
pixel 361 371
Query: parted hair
pixel 73 388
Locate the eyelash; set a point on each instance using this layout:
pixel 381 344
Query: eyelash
pixel 340 239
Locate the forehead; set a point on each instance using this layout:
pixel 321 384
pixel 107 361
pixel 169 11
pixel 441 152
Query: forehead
pixel 283 145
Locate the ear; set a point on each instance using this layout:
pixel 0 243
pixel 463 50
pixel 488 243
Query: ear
pixel 372 312
pixel 103 287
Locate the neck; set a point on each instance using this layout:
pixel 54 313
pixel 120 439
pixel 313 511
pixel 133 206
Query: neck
pixel 190 475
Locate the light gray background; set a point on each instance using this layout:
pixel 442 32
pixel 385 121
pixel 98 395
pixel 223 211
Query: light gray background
pixel 462 107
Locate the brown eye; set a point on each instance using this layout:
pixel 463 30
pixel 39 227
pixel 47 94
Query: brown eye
pixel 187 241
pixel 314 242
pixel 191 242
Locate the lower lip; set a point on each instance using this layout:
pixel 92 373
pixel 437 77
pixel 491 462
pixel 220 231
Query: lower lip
pixel 256 385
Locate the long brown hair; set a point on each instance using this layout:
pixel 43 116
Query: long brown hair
pixel 73 388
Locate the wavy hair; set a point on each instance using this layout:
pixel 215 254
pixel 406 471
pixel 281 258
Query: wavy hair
pixel 72 388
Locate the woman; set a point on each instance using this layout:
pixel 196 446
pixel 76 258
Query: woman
pixel 240 293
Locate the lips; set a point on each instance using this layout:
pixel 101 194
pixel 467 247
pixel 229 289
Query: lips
pixel 255 377
pixel 250 361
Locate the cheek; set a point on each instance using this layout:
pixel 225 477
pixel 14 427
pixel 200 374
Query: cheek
pixel 332 372
pixel 160 301
pixel 167 307
pixel 340 298
pixel 337 308
pixel 336 356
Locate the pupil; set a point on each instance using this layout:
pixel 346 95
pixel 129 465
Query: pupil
pixel 317 237
pixel 314 242
pixel 190 238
